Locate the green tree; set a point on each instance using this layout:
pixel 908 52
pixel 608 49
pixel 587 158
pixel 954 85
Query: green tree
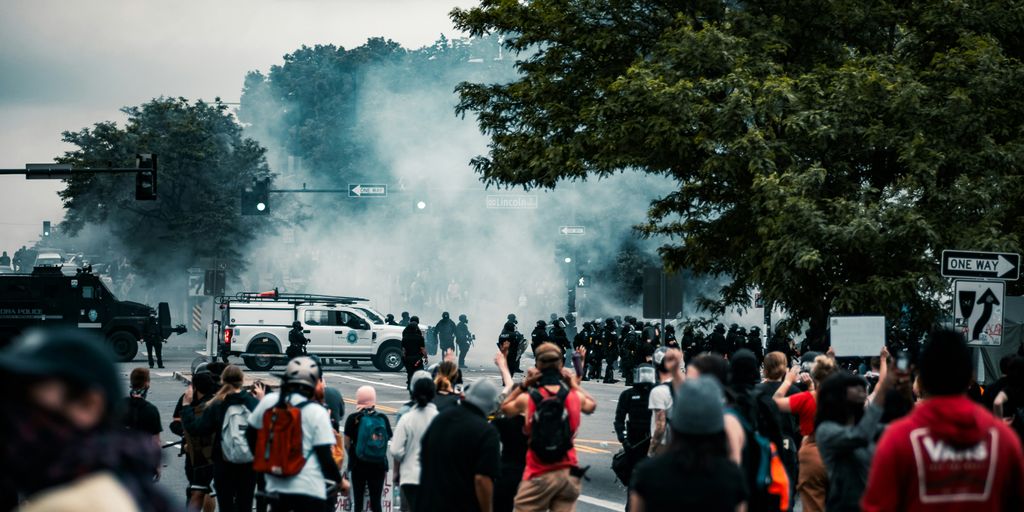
pixel 203 164
pixel 825 152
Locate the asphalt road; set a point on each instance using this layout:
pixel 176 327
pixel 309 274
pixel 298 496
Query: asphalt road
pixel 595 440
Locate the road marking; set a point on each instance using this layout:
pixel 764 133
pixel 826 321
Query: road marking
pixel 610 505
pixel 380 407
pixel 588 449
pixel 374 382
pixel 595 441
pixel 164 374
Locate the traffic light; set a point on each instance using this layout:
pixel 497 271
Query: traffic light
pixel 145 180
pixel 46 229
pixel 213 282
pixel 256 200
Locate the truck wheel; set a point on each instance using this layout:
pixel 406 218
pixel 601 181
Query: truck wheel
pixel 125 346
pixel 261 364
pixel 389 359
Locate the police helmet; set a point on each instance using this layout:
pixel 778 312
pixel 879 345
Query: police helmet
pixel 644 374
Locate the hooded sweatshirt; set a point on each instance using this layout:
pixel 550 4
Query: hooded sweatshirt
pixel 948 455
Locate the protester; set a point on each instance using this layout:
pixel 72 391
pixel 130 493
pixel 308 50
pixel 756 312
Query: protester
pixel 948 454
pixel 199 447
pixel 1009 400
pixel 812 480
pixel 845 433
pixel 715 366
pixel 459 455
pixel 444 382
pixel 775 368
pixel 367 433
pixel 139 414
pixel 550 397
pixel 311 454
pixel 513 444
pixel 226 419
pixel 405 447
pixel 696 472
pixel 660 402
pixel 64 447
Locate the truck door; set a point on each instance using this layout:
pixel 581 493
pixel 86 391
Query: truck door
pixel 319 326
pixel 355 335
pixel 92 312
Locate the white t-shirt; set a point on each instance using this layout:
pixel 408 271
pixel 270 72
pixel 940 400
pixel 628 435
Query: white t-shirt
pixel 405 446
pixel 316 431
pixel 660 400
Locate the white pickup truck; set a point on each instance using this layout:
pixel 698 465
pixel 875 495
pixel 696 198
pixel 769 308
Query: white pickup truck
pixel 255 326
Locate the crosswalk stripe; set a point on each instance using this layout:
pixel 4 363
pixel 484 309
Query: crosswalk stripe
pixel 610 505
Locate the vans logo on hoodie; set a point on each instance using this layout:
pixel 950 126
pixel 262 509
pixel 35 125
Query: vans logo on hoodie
pixel 948 473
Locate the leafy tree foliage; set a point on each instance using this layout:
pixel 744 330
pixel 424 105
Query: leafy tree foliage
pixel 203 164
pixel 825 152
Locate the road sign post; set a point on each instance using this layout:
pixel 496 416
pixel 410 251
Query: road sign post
pixel 981 265
pixel 978 311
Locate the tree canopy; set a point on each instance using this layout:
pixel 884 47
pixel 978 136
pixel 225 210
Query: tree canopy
pixel 203 163
pixel 825 152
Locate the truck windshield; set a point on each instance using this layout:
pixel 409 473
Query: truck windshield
pixel 374 316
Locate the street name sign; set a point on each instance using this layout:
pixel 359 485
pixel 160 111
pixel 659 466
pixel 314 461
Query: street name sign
pixel 511 202
pixel 368 190
pixel 572 230
pixel 978 311
pixel 981 265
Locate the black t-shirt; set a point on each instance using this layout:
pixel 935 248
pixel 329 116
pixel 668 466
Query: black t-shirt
pixel 664 484
pixel 458 445
pixel 142 416
pixel 352 431
pixel 443 402
pixel 513 440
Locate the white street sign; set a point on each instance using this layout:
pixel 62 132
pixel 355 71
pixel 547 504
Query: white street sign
pixel 512 202
pixel 978 311
pixel 572 230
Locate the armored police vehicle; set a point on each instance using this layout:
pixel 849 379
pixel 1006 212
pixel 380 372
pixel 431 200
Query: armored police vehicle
pixel 48 297
pixel 255 326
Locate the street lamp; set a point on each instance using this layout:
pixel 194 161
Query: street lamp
pixel 568 259
pixel 421 205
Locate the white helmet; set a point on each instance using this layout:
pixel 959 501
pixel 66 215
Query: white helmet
pixel 301 370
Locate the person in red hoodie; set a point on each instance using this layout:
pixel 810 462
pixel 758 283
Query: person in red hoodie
pixel 949 454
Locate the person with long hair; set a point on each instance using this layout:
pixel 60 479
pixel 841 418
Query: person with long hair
pixel 444 383
pixel 405 447
pixel 812 480
pixel 845 431
pixel 696 472
pixel 235 482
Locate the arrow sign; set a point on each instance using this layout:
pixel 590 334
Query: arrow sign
pixel 367 190
pixel 572 230
pixel 978 311
pixel 985 265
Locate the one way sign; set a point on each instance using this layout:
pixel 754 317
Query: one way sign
pixel 984 265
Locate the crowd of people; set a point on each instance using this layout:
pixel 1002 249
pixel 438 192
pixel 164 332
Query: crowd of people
pixel 707 431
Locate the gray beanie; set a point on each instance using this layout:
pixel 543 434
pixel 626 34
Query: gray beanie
pixel 697 408
pixel 483 394
pixel 417 375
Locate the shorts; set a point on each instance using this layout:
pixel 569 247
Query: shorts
pixel 556 491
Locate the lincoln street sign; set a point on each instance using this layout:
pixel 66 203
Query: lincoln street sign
pixel 983 265
pixel 367 190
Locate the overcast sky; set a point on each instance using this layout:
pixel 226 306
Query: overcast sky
pixel 66 64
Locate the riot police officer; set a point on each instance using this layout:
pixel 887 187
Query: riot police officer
pixel 445 330
pixel 463 338
pixel 539 335
pixel 610 342
pixel 155 344
pixel 296 341
pixel 390 319
pixel 670 337
pixel 718 342
pixel 633 418
pixel 630 352
pixel 754 343
pixel 581 340
pixel 595 354
pixel 559 336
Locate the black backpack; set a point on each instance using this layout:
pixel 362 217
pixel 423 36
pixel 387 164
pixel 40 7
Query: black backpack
pixel 550 433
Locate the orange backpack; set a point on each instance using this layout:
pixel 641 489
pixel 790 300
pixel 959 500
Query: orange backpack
pixel 279 442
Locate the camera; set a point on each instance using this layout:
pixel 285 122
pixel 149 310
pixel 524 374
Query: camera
pixel 903 361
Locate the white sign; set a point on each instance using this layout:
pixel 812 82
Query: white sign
pixel 572 230
pixel 512 202
pixel 978 311
pixel 857 335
